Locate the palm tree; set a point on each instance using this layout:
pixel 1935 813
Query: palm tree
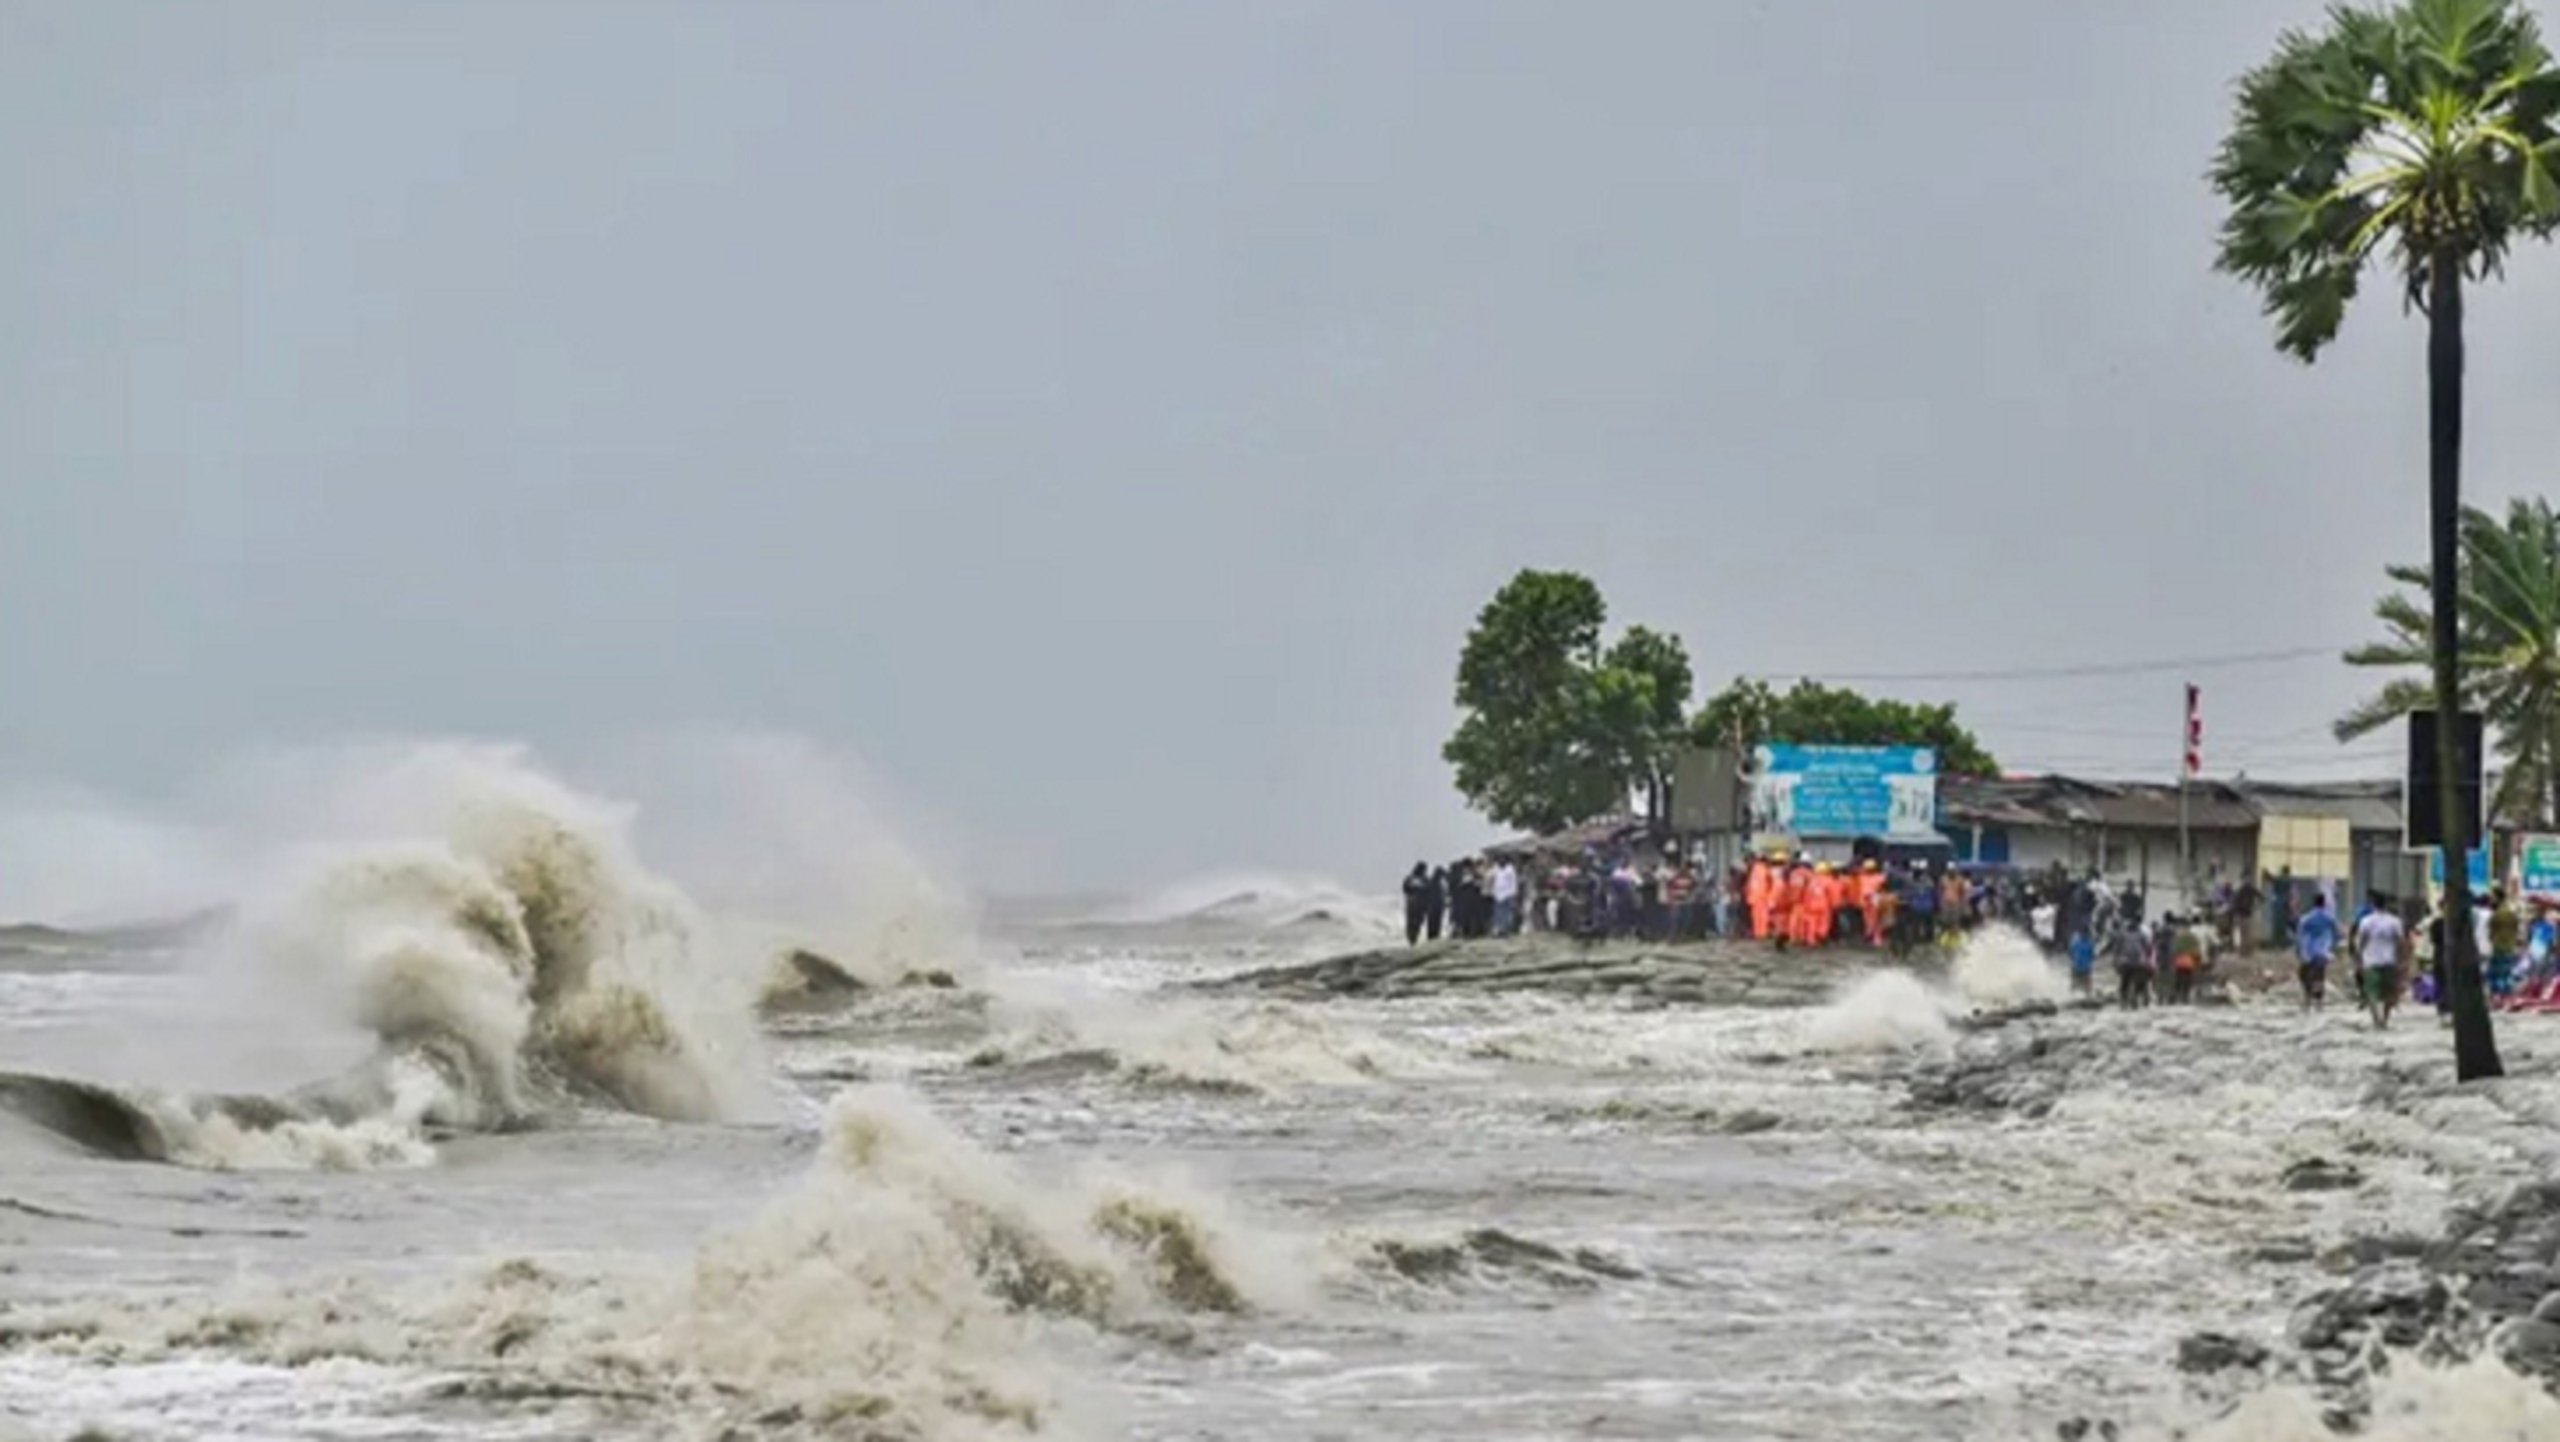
pixel 2509 579
pixel 2423 132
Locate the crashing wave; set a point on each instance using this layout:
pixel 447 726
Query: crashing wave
pixel 895 1291
pixel 1897 1011
pixel 513 962
pixel 1492 1255
pixel 529 942
pixel 1182 1045
pixel 805 980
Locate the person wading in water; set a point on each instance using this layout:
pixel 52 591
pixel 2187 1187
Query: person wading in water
pixel 2186 958
pixel 2315 944
pixel 2134 967
pixel 2380 938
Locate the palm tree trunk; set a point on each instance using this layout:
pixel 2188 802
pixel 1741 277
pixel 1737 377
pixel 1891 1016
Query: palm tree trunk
pixel 2551 764
pixel 2475 1041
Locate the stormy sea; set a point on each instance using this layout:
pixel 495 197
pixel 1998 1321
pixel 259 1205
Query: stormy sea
pixel 481 1105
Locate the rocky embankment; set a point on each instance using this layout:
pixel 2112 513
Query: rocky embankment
pixel 2487 1283
pixel 2490 1283
pixel 1697 974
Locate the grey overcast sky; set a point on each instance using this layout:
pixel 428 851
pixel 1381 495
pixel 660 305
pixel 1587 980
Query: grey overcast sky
pixel 1104 419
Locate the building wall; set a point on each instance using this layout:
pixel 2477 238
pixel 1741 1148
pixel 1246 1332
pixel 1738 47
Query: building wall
pixel 2233 852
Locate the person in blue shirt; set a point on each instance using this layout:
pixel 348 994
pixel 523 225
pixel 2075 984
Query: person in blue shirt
pixel 2084 961
pixel 2315 945
pixel 1920 909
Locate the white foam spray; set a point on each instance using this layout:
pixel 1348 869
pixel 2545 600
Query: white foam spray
pixel 462 938
pixel 1884 1011
pixel 1252 1046
pixel 901 1288
pixel 1998 966
pixel 496 907
pixel 2478 1401
pixel 791 847
pixel 1898 1011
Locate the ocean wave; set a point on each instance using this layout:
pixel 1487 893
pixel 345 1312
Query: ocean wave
pixel 1490 1255
pixel 1262 1048
pixel 1899 1011
pixel 509 955
pixel 897 1290
pixel 1246 904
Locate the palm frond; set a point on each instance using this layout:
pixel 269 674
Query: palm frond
pixel 2393 701
pixel 2508 647
pixel 2427 127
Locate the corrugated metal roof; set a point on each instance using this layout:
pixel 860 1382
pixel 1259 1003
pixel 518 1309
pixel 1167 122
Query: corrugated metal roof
pixel 2363 805
pixel 1605 832
pixel 2076 801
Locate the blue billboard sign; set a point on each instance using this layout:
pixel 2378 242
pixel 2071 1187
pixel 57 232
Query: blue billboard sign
pixel 1836 791
pixel 2477 870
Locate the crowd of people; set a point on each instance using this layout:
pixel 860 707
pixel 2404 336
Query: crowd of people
pixel 1796 902
pixel 1468 899
pixel 1784 901
pixel 2392 951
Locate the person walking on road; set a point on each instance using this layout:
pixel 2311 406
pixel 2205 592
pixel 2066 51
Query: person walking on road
pixel 2315 945
pixel 2135 968
pixel 2380 940
pixel 2186 959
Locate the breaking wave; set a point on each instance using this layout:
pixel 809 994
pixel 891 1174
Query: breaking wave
pixel 1998 966
pixel 1893 1011
pixel 898 1290
pixel 1259 1048
pixel 521 933
pixel 492 932
pixel 1490 1255
pixel 1254 903
pixel 1883 1011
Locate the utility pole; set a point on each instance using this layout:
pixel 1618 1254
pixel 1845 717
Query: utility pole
pixel 2190 761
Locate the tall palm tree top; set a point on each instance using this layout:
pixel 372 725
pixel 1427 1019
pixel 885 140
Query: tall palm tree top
pixel 2427 129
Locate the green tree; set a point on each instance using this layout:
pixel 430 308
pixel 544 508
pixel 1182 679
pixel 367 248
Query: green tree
pixel 2509 581
pixel 1555 729
pixel 2423 133
pixel 1640 697
pixel 1810 712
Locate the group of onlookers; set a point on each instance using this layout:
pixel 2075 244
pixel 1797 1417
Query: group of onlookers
pixel 2391 950
pixel 1601 896
pixel 2519 954
pixel 1797 902
pixel 1469 899
pixel 1791 901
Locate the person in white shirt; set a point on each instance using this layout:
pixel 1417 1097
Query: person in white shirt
pixel 2380 939
pixel 1506 900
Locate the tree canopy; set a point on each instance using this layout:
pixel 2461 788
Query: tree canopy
pixel 1812 712
pixel 2510 651
pixel 2425 131
pixel 1557 730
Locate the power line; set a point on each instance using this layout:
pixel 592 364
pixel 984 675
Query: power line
pixel 2226 750
pixel 1988 725
pixel 2069 673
